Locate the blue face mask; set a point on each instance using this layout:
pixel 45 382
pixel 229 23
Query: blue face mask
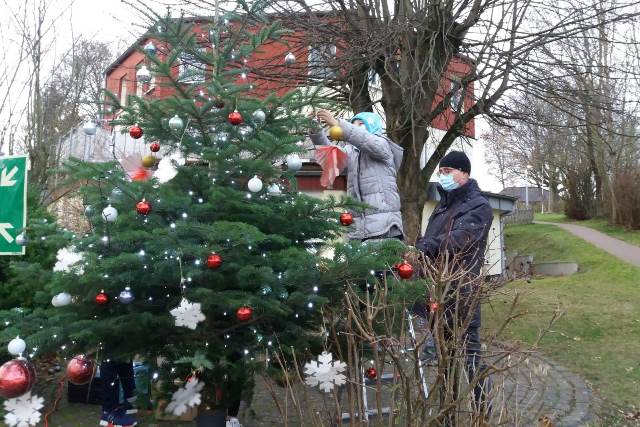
pixel 447 182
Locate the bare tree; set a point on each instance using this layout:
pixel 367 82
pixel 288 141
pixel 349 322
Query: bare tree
pixel 482 48
pixel 46 94
pixel 583 112
pixel 498 155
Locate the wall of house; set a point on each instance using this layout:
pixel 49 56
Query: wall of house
pixel 269 60
pixel 494 253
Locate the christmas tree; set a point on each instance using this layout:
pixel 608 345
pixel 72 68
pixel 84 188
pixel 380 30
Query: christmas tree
pixel 202 271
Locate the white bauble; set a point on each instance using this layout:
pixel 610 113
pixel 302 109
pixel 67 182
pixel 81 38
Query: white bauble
pixel 16 346
pixel 255 184
pixel 110 214
pixel 62 299
pixel 274 189
pixel 294 163
pixel 143 75
pixel 89 128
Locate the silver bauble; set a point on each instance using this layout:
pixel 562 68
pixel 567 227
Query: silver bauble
pixel 290 59
pixel 176 123
pixel 259 116
pixel 116 194
pixel 274 189
pixel 21 239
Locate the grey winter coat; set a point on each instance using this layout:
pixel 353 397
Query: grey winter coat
pixel 373 163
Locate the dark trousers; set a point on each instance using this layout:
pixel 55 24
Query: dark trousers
pixel 472 348
pixel 113 375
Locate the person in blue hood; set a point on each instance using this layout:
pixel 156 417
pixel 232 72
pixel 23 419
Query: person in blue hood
pixel 372 168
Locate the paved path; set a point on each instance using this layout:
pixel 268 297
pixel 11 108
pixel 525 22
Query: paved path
pixel 616 247
pixel 533 389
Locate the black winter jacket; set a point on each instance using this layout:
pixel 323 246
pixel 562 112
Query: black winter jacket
pixel 459 224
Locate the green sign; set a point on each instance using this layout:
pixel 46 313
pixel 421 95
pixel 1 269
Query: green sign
pixel 13 203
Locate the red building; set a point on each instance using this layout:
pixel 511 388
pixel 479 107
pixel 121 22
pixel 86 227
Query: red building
pixel 121 74
pixel 261 66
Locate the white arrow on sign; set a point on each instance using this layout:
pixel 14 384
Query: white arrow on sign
pixel 3 231
pixel 6 178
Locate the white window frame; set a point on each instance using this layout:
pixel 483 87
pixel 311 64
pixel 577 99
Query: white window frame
pixel 317 57
pixel 192 71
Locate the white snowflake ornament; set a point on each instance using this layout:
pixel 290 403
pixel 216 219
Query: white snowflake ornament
pixel 185 397
pixel 23 411
pixel 325 373
pixel 188 314
pixel 68 261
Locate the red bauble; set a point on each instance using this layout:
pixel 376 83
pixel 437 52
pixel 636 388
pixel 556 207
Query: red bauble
pixel 80 370
pixel 244 313
pixel 102 298
pixel 346 218
pixel 235 118
pixel 214 261
pixel 433 306
pixel 405 270
pixel 155 147
pixel 136 132
pixel 143 207
pixel 16 378
pixel 372 374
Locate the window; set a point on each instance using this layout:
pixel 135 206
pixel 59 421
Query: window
pixel 457 99
pixel 374 79
pixel 192 69
pixel 319 62
pixel 122 95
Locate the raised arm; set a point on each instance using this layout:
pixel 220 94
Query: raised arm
pixel 377 146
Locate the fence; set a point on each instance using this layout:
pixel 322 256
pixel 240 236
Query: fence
pixel 519 216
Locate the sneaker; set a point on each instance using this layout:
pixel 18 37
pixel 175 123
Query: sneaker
pixel 128 408
pixel 233 422
pixel 117 418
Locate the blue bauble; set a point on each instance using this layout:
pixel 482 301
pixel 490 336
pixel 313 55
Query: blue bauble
pixel 126 296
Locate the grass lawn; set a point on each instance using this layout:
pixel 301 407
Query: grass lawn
pixel 598 336
pixel 600 224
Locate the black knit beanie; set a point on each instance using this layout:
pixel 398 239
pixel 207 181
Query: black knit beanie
pixel 456 160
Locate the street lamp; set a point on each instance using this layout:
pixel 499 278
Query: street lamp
pixel 526 187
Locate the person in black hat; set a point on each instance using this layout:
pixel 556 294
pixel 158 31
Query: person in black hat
pixel 457 231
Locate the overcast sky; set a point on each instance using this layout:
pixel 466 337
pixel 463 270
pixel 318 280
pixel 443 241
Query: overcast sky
pixel 115 22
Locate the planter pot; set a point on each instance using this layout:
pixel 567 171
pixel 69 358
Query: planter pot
pixel 211 419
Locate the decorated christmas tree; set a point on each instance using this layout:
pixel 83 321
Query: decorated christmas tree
pixel 201 270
